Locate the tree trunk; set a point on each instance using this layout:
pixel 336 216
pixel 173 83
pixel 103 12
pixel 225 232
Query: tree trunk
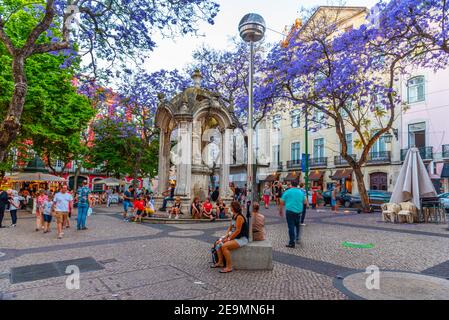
pixel 136 169
pixel 10 126
pixel 75 177
pixel 362 189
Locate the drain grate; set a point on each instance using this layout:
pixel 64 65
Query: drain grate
pixel 42 271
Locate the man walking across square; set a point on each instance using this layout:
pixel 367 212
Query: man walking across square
pixel 84 202
pixel 294 200
pixel 63 203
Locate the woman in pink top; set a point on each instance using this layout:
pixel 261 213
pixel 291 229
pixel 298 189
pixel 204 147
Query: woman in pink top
pixel 41 198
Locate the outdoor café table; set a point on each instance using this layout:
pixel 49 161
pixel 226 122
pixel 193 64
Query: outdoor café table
pixel 431 203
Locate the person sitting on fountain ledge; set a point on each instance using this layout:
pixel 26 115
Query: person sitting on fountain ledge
pixel 221 209
pixel 176 209
pixel 195 209
pixel 169 196
pixel 207 210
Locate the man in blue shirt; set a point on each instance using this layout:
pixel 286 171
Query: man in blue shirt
pixel 294 201
pixel 83 197
pixel 128 198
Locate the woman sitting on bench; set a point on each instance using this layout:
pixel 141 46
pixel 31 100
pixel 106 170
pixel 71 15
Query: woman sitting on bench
pixel 236 237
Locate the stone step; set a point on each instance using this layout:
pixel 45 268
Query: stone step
pixel 165 220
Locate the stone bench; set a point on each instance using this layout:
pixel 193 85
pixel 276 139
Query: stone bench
pixel 256 255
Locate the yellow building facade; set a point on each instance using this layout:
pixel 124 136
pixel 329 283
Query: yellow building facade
pixel 287 137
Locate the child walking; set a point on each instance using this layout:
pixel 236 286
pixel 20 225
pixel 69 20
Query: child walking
pixel 47 212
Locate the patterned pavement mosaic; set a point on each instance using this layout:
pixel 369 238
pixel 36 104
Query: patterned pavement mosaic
pixel 171 261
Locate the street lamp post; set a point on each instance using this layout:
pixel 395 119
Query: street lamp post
pixel 252 29
pixel 306 165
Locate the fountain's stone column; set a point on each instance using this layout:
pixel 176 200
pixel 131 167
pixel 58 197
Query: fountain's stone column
pixel 226 159
pixel 196 143
pixel 163 166
pixel 184 165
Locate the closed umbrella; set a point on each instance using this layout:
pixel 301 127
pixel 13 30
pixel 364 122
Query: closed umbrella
pixel 413 182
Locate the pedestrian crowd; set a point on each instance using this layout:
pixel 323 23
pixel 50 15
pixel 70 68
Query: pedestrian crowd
pixel 48 206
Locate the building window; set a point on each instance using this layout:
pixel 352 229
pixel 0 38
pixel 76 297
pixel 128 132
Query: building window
pixel 59 164
pixel 415 89
pixel 379 146
pixel 276 121
pixel 296 151
pixel 379 102
pixel 348 143
pixel 295 118
pixel 276 154
pixel 417 135
pixel 319 119
pixel 318 148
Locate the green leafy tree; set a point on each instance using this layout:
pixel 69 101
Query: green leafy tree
pixel 119 151
pixel 54 114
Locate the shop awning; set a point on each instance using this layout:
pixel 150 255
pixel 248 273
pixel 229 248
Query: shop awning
pixel 316 175
pixel 342 174
pixel 272 177
pixel 445 171
pixel 292 176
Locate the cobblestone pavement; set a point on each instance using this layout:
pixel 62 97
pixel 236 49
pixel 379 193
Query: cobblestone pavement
pixel 171 261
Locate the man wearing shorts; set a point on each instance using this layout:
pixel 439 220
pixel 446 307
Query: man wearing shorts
pixel 63 203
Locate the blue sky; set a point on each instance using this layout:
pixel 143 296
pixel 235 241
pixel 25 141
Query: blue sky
pixel 177 53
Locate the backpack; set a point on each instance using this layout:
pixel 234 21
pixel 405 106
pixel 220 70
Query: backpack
pixel 214 255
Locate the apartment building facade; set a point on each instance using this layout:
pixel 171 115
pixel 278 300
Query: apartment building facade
pixel 425 123
pixel 421 124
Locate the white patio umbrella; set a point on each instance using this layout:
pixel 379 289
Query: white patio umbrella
pixel 413 182
pixel 35 176
pixel 110 182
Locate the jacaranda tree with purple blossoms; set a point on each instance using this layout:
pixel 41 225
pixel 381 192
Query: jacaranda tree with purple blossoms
pixel 226 72
pixel 126 140
pixel 112 30
pixel 338 81
pixel 349 76
pixel 405 24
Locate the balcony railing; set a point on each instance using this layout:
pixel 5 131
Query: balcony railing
pixel 445 148
pixel 340 161
pixel 276 166
pixel 318 162
pixel 426 153
pixel 379 157
pixel 294 164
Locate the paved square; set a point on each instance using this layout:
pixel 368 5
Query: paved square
pixel 171 261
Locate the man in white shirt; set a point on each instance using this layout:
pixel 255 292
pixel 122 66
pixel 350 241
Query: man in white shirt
pixel 62 204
